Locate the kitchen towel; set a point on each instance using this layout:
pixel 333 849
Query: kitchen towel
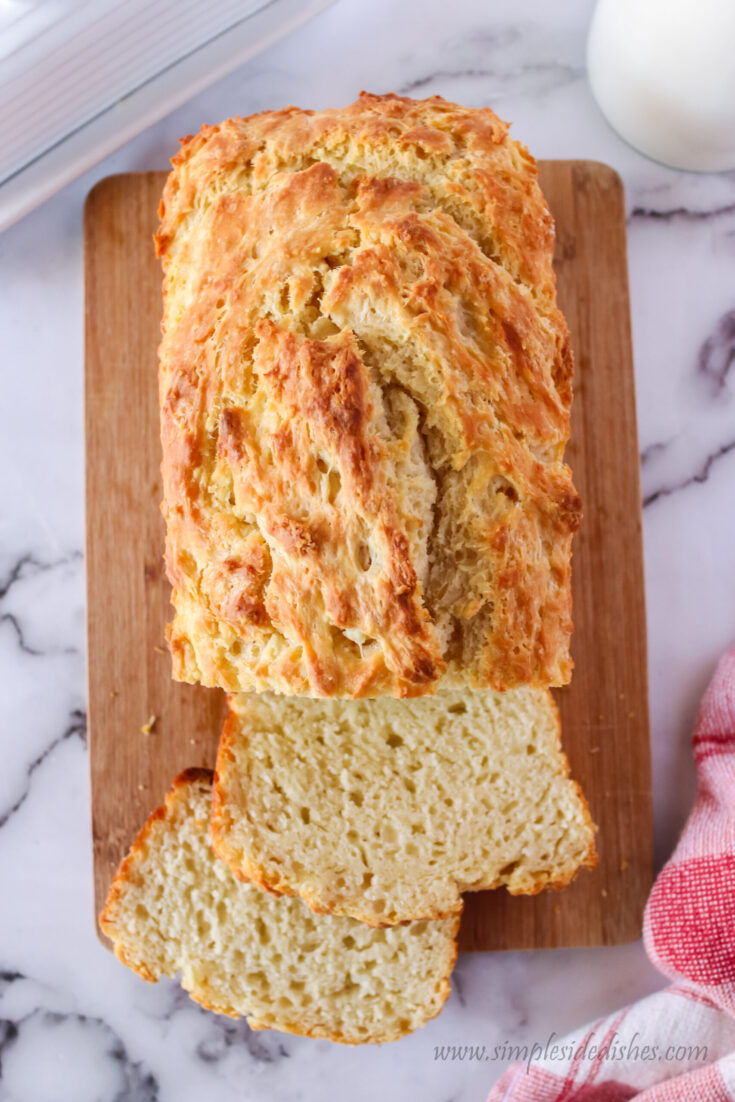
pixel 679 1044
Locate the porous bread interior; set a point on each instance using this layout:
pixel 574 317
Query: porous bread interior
pixel 174 907
pixel 365 387
pixel 387 810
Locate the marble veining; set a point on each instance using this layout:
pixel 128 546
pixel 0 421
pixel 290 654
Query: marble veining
pixel 75 1026
pixel 515 58
pixel 717 354
pixel 699 476
pixel 29 1032
pixel 263 1047
pixel 75 728
pixel 686 214
pixel 545 75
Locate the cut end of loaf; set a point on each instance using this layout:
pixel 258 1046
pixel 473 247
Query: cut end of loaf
pixel 388 810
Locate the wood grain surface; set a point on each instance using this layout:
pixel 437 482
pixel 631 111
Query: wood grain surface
pixel 604 711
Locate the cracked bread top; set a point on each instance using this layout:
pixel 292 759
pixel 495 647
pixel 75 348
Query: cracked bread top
pixel 365 387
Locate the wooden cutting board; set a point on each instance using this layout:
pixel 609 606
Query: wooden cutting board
pixel 604 711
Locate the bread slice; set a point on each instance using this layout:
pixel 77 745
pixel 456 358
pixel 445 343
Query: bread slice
pixel 173 907
pixel 365 391
pixel 387 810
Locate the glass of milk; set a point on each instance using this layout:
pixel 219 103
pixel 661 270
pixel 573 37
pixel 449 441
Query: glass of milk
pixel 663 73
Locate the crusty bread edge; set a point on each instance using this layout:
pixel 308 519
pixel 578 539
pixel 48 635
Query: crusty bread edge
pixel 245 870
pixel 108 915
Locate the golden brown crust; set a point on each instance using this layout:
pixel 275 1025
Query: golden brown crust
pixel 365 389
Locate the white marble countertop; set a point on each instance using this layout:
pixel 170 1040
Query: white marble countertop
pixel 75 1025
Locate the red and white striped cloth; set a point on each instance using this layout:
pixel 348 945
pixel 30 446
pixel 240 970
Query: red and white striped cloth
pixel 679 1044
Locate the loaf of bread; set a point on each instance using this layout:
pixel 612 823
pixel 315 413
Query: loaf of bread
pixel 173 907
pixel 365 388
pixel 387 810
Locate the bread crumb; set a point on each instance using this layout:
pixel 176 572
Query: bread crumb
pixel 376 728
pixel 406 972
pixel 623 866
pixel 594 749
pixel 141 787
pixel 147 728
pixel 113 693
pixel 557 908
pixel 603 893
pixel 159 650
